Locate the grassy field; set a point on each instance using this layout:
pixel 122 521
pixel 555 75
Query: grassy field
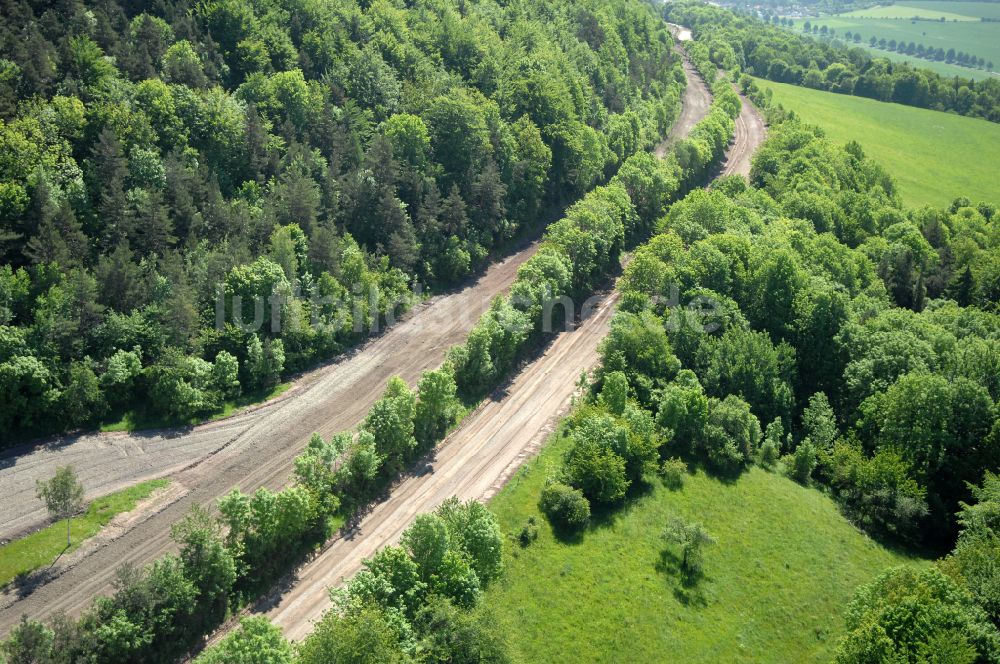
pixel 941 10
pixel 979 39
pixel 43 547
pixel 935 157
pixel 977 9
pixel 783 567
pixel 969 35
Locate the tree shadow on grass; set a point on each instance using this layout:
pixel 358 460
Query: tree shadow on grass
pixel 606 516
pixel 688 584
pixel 568 535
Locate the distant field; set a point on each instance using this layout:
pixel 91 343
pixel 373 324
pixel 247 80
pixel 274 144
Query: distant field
pixel 934 156
pixel 977 9
pixel 909 11
pixel 976 38
pixel 777 580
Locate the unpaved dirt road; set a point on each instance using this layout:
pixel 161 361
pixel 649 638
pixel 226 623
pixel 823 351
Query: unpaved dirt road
pixel 476 459
pixel 250 450
pixel 750 132
pixel 474 462
pixel 694 105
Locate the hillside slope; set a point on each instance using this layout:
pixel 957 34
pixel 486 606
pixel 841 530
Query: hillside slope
pixel 784 565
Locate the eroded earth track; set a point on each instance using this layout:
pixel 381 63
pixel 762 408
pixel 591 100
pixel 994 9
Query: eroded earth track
pixel 250 450
pixel 473 462
pixel 750 131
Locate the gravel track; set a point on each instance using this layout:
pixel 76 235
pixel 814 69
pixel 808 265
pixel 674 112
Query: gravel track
pixel 750 131
pixel 250 450
pixel 473 462
pixel 694 106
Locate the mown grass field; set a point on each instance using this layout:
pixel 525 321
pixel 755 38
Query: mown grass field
pixel 43 547
pixel 934 156
pixel 975 37
pixel 940 10
pixel 943 68
pixel 961 31
pixel 962 7
pixel 784 564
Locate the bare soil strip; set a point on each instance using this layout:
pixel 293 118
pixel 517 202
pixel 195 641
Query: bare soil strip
pixel 749 133
pixel 473 462
pixel 694 107
pixel 249 450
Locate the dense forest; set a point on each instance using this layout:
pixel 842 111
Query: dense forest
pixel 752 45
pixel 169 167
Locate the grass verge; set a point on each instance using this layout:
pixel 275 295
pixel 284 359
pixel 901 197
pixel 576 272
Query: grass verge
pixel 137 420
pixel 45 546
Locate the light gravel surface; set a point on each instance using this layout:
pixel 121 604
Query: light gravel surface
pixel 249 450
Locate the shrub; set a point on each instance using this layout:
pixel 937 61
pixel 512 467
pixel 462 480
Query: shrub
pixel 529 532
pixel 672 471
pixel 565 507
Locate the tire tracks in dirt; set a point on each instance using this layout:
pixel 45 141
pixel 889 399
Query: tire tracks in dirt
pixel 250 450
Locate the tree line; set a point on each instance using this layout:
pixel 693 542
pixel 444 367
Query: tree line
pixel 758 48
pixel 160 162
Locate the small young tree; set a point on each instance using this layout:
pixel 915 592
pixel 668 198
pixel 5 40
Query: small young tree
pixel 672 471
pixel 803 462
pixel 63 496
pixel 690 537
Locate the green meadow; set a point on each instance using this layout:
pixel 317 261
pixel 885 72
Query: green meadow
pixel 941 10
pixel 933 156
pixel 973 9
pixel 977 38
pixel 784 564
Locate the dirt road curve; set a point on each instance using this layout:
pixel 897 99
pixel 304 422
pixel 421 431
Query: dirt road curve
pixel 694 106
pixel 473 462
pixel 750 132
pixel 251 450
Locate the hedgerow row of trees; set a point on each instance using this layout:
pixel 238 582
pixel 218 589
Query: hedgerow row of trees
pixel 413 602
pixel 160 161
pixel 827 332
pixel 738 42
